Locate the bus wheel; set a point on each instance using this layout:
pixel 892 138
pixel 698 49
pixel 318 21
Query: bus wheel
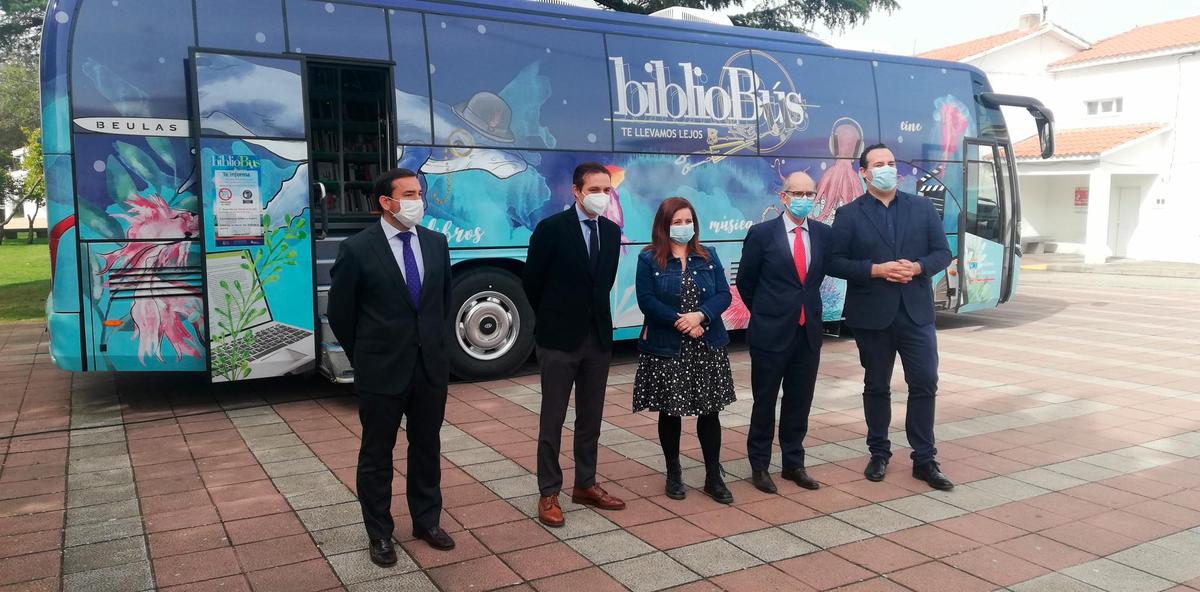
pixel 492 327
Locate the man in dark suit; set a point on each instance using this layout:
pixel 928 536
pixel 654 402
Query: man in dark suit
pixel 388 306
pixel 569 272
pixel 779 280
pixel 887 244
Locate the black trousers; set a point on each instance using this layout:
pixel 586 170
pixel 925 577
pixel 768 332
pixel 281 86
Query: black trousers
pixel 585 370
pixel 917 346
pixel 796 369
pixel 425 407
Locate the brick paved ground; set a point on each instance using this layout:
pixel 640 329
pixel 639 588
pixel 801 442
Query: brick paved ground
pixel 1069 419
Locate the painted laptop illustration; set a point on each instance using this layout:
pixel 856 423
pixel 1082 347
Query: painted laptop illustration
pixel 239 304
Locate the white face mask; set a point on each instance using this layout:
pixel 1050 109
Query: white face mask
pixel 595 203
pixel 410 213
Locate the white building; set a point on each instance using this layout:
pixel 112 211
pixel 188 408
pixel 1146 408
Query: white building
pixel 1126 120
pixel 20 222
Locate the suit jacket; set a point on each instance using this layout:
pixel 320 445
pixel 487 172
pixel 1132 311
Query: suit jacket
pixel 860 239
pixel 373 317
pixel 771 289
pixel 568 298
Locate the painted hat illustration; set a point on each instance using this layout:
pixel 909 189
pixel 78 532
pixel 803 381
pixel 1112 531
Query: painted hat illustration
pixel 488 114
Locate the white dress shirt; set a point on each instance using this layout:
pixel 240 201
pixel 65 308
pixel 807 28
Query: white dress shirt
pixel 790 228
pixel 397 244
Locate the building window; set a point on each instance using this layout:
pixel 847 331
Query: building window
pixel 1105 106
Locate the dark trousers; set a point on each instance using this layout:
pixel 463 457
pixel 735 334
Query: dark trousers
pixel 796 369
pixel 877 349
pixel 425 407
pixel 586 370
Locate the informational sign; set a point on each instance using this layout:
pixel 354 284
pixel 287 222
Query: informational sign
pixel 1081 197
pixel 238 209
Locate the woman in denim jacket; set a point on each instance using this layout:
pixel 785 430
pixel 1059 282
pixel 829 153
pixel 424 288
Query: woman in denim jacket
pixel 683 369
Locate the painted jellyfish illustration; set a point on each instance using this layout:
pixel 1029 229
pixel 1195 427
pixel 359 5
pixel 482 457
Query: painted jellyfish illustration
pixel 614 211
pixel 163 317
pixel 954 120
pixel 840 184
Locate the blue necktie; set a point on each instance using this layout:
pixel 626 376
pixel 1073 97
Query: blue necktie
pixel 412 273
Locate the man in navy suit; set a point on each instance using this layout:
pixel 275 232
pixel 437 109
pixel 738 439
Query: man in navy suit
pixel 779 280
pixel 887 244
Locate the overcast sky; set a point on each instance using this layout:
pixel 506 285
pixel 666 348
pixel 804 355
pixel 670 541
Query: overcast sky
pixel 922 25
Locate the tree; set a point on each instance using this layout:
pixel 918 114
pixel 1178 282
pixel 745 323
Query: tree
pixel 781 15
pixel 20 30
pixel 23 185
pixel 19 104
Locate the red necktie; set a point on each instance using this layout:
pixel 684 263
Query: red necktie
pixel 800 258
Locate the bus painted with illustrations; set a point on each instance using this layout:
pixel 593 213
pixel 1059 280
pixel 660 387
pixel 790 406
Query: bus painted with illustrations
pixel 204 157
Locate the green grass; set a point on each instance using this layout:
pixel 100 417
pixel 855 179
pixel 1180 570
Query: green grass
pixel 24 279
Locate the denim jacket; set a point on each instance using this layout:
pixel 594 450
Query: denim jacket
pixel 658 291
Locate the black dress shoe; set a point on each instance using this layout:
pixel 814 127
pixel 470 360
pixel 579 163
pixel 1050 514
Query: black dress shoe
pixel 876 469
pixel 383 552
pixel 931 473
pixel 800 477
pixel 675 487
pixel 715 487
pixel 436 537
pixel 762 480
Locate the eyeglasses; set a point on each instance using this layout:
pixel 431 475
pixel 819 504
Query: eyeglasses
pixel 808 194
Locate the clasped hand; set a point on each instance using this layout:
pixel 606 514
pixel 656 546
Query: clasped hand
pixel 689 324
pixel 901 271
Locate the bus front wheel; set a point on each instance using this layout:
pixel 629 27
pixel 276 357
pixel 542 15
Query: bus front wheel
pixel 492 327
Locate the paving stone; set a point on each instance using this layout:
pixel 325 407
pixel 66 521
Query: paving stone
pixel 282 454
pixel 637 449
pixel 1054 582
pixel 473 456
pixel 581 523
pixel 713 558
pixel 1160 561
pixel 1114 577
pixel 298 484
pixel 316 498
pixel 105 554
pixel 102 531
pixel 298 466
pixel 257 419
pixel 97 436
pixel 500 469
pixel 356 566
pixel 772 544
pixel 1186 542
pixel 650 573
pixel 343 539
pixel 102 512
pixel 876 519
pixel 610 435
pixel 606 547
pixel 968 498
pixel 1008 488
pixel 924 508
pixel 263 431
pixel 78 453
pixel 1081 470
pixel 826 531
pixel 130 577
pixel 77 498
pixel 331 516
pixel 100 463
pixel 99 479
pixel 273 442
pixel 513 487
pixel 410 582
pixel 1047 479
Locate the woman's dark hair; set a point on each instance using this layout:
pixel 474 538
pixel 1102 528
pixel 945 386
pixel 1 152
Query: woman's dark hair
pixel 660 234
pixel 585 169
pixel 862 158
pixel 383 184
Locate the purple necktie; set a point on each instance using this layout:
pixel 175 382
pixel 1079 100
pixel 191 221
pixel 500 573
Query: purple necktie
pixel 412 273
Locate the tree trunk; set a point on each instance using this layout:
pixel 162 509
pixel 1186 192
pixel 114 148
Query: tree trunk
pixel 31 217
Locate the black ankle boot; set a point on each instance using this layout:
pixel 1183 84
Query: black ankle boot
pixel 675 488
pixel 714 485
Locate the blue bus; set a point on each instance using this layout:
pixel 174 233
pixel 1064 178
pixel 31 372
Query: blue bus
pixel 204 157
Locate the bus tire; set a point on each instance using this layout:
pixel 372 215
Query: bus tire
pixel 491 325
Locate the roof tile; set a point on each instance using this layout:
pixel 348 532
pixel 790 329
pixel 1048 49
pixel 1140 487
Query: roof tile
pixel 1090 141
pixel 1150 38
pixel 965 50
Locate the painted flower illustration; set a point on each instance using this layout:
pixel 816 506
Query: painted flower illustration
pixel 161 313
pixel 737 316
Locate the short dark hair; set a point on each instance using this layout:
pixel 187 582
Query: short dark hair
pixel 585 169
pixel 862 158
pixel 383 183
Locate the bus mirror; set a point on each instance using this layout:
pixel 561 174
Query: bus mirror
pixel 1045 129
pixel 1043 116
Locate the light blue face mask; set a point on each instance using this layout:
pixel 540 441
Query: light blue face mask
pixel 800 206
pixel 682 233
pixel 884 178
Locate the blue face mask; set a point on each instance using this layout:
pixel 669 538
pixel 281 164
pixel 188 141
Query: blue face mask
pixel 800 206
pixel 683 233
pixel 884 178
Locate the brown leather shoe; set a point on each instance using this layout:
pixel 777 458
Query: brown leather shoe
pixel 548 511
pixel 596 496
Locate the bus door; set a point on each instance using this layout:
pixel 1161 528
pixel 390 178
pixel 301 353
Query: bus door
pixel 252 153
pixel 985 238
